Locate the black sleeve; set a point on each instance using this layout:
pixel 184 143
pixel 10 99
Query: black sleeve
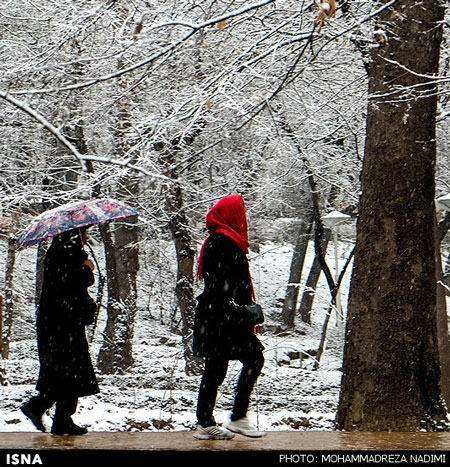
pixel 227 273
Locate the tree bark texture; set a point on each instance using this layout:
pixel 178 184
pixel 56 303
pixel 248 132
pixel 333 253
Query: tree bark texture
pixel 391 361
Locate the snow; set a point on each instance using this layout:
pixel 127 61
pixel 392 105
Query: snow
pixel 156 394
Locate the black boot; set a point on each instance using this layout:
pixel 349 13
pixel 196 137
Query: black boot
pixel 66 426
pixel 35 418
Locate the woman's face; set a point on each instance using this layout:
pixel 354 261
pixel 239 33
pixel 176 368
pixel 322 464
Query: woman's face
pixel 84 237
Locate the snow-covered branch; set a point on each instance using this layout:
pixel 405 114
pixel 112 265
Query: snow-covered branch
pixel 194 28
pixel 82 159
pixel 46 124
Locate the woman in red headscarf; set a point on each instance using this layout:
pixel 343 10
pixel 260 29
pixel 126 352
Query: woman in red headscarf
pixel 227 318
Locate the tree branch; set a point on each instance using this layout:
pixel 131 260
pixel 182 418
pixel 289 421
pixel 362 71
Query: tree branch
pixel 167 50
pixel 82 159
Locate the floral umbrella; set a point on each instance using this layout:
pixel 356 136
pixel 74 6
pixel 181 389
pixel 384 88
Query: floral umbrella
pixel 71 216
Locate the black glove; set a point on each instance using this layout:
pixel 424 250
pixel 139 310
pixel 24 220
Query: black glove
pixel 255 314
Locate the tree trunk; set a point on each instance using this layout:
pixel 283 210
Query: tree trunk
pixel 441 307
pixel 323 335
pixel 442 325
pixel 391 362
pixel 1 326
pixel 179 227
pixel 122 265
pixel 295 275
pixel 2 368
pixel 306 304
pixel 8 307
pixel 7 315
pixel 184 288
pixel 41 251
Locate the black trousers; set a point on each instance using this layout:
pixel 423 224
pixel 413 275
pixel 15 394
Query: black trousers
pixel 65 407
pixel 213 376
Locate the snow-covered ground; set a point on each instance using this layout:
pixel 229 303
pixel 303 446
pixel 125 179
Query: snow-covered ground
pixel 155 394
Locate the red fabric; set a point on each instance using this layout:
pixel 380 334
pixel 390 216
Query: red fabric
pixel 227 216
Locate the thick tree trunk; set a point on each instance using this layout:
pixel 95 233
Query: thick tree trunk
pixel 391 361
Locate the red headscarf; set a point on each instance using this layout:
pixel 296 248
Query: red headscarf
pixel 227 216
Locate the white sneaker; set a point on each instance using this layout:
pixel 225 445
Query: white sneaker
pixel 212 432
pixel 243 427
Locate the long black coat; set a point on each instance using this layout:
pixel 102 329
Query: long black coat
pixel 65 308
pixel 221 326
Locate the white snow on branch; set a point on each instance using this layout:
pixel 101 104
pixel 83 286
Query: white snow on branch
pixel 193 29
pixel 82 159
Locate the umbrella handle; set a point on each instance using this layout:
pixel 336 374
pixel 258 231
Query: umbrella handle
pixel 93 257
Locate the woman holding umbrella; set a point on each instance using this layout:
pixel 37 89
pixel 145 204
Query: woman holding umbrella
pixel 65 308
pixel 227 319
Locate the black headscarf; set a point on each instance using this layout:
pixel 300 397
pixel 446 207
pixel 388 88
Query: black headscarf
pixel 68 244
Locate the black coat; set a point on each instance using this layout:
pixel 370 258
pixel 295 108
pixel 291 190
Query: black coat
pixel 65 308
pixel 221 326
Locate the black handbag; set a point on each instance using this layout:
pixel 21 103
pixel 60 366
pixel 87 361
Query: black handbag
pixel 255 314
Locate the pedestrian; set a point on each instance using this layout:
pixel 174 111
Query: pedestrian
pixel 65 309
pixel 227 319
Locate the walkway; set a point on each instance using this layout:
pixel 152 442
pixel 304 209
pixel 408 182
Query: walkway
pixel 276 448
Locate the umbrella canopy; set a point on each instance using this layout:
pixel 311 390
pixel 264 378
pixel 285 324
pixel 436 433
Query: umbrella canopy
pixel 72 216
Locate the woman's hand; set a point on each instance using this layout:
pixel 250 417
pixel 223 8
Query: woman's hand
pixel 89 263
pixel 257 330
